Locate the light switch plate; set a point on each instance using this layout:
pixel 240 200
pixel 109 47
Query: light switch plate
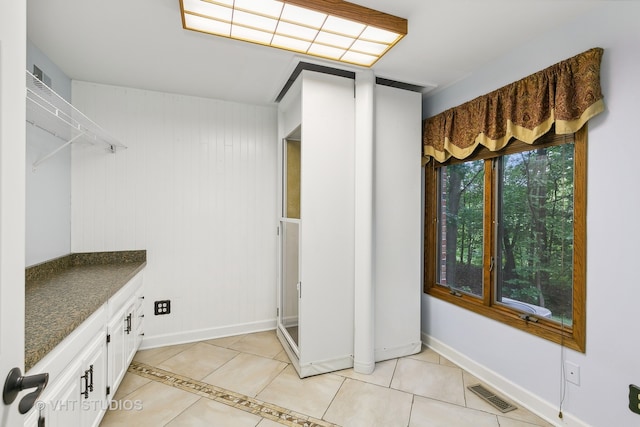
pixel 572 372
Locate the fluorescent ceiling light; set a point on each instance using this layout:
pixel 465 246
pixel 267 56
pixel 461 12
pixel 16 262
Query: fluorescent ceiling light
pixel 326 51
pixel 332 29
pixel 296 31
pixel 343 26
pixel 301 15
pixel 290 43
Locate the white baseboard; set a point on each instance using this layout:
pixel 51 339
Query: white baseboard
pixel 183 337
pixel 524 398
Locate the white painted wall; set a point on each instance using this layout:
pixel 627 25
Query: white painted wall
pixel 529 367
pixel 48 188
pixel 196 188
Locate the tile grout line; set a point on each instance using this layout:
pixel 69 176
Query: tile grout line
pixel 180 413
pixel 254 406
pixel 344 380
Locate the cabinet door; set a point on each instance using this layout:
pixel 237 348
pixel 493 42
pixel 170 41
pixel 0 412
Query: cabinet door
pixel 78 397
pixel 115 351
pixel 94 375
pixel 63 400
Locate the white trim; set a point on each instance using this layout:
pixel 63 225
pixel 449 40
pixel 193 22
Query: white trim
pixel 396 352
pixel 325 366
pixel 291 352
pixel 542 408
pixel 313 368
pixel 184 337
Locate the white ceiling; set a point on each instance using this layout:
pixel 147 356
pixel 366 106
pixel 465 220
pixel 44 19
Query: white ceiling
pixel 141 44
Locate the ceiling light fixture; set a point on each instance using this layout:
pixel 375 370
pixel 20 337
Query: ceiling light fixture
pixel 331 29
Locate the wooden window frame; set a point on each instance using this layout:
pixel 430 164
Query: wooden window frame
pixel 573 336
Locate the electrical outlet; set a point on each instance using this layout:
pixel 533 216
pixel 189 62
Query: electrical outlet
pixel 634 398
pixel 572 372
pixel 162 307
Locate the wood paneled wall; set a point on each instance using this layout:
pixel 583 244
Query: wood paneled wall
pixel 196 188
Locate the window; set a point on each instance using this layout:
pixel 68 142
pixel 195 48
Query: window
pixel 505 235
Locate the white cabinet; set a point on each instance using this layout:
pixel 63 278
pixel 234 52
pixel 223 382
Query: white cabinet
pixel 63 400
pixel 86 368
pixel 78 396
pixel 124 331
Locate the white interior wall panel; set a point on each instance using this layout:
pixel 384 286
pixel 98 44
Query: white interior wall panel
pixel 291 109
pixel 196 188
pixel 397 216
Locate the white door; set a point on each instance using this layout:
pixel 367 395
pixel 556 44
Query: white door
pixel 12 196
pixel 289 286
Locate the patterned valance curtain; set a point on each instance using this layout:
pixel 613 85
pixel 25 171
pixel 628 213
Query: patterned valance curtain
pixel 566 94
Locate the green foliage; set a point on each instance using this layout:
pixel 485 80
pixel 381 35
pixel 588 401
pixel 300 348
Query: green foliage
pixel 535 226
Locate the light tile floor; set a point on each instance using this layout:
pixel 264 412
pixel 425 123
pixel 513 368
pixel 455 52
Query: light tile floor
pixel 248 381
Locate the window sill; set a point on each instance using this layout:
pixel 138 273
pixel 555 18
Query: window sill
pixel 538 326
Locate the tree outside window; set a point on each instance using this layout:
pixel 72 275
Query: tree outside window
pixel 505 235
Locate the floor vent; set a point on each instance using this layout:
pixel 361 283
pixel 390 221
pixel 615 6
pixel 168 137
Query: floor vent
pixel 488 396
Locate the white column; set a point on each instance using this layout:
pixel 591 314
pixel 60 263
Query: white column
pixel 364 301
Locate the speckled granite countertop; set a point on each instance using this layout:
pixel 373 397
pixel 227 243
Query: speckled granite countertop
pixel 62 293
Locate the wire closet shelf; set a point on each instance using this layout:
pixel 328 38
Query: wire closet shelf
pixel 49 111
